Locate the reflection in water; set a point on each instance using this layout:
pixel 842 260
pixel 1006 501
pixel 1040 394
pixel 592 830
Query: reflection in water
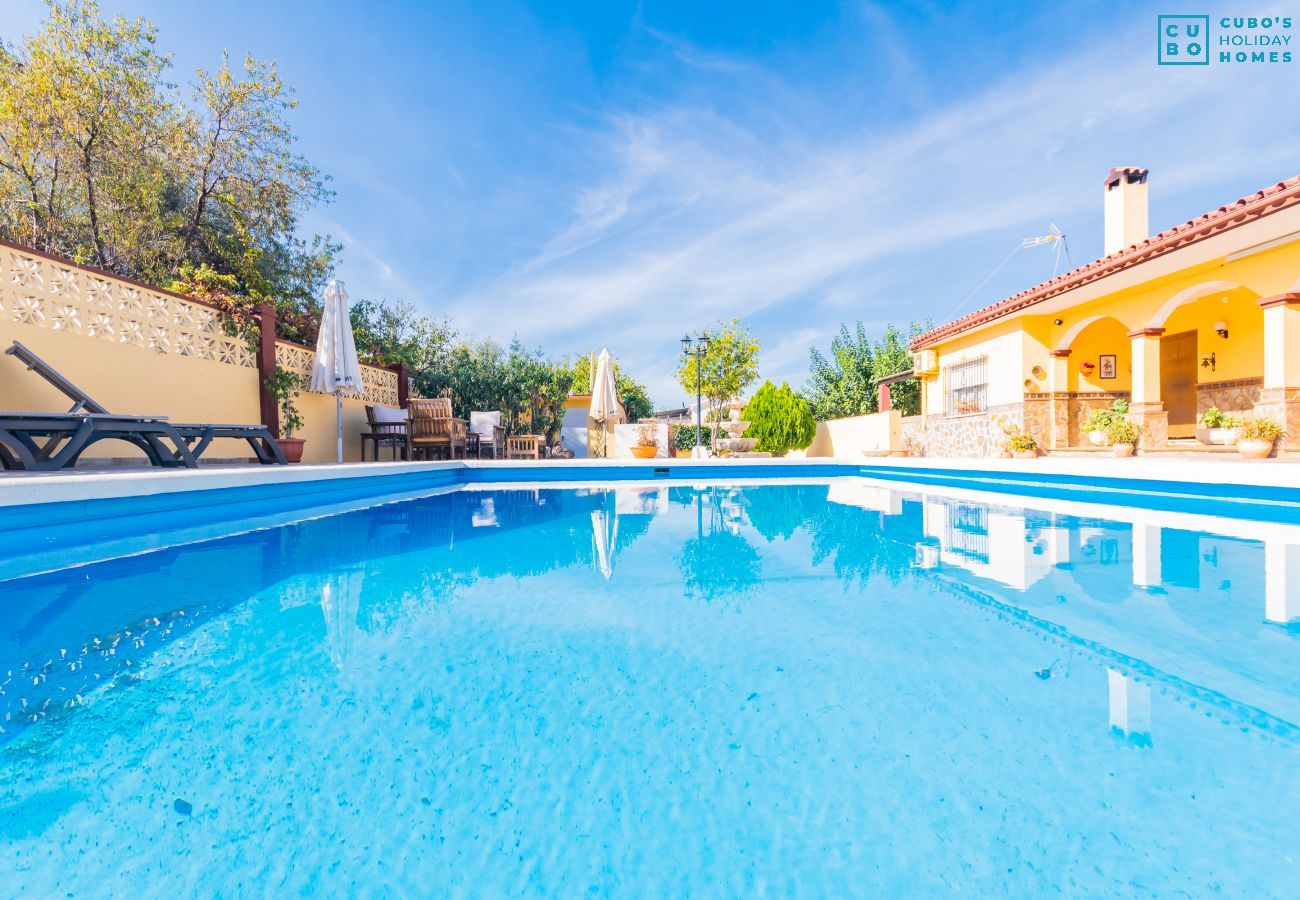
pixel 718 562
pixel 903 661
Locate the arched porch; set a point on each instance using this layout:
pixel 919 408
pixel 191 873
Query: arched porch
pixel 1203 347
pixel 1091 368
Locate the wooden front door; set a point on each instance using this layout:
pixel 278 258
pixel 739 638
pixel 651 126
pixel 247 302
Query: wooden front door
pixel 1178 382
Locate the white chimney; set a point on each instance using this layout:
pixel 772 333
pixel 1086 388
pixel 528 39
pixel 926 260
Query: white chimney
pixel 1126 208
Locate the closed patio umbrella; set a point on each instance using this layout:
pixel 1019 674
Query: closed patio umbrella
pixel 336 370
pixel 604 394
pixel 604 533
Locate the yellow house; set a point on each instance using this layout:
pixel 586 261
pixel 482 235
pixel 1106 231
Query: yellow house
pixel 1204 314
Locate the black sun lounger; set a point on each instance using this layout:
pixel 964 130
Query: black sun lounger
pixel 48 441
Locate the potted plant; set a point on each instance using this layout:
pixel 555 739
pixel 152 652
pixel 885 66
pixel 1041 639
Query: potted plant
pixel 1022 445
pixel 1257 438
pixel 1123 436
pixel 1100 420
pixel 1216 427
pixel 284 386
pixel 647 442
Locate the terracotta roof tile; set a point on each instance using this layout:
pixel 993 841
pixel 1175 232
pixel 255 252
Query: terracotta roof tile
pixel 1259 204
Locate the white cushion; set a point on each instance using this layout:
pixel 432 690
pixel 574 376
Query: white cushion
pixel 482 423
pixel 384 415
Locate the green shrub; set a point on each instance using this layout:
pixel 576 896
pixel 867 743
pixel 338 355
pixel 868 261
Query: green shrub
pixel 1101 418
pixel 1021 442
pixel 1265 430
pixel 684 437
pixel 1214 418
pixel 284 386
pixel 780 419
pixel 1122 431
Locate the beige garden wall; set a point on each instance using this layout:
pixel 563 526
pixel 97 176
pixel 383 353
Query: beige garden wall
pixel 875 434
pixel 137 349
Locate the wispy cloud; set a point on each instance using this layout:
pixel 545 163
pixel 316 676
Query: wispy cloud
pixel 693 217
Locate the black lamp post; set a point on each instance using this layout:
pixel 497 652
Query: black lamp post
pixel 697 348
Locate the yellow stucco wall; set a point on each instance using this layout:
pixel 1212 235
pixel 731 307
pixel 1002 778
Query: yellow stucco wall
pixel 1176 298
pixel 1106 336
pixel 139 350
pixel 1004 346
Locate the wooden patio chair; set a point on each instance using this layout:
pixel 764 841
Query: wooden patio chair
pixel 524 446
pixel 384 427
pixel 432 427
pixel 491 434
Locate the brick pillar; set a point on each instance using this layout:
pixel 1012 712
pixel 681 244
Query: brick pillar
pixel 1147 408
pixel 1058 383
pixel 403 384
pixel 883 398
pixel 1279 398
pixel 266 366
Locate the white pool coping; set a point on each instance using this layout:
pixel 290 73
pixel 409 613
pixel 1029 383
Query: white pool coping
pixel 24 488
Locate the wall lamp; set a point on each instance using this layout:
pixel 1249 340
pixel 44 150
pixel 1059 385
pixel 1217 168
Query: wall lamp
pixel 1207 362
pixel 1058 322
pixel 1221 329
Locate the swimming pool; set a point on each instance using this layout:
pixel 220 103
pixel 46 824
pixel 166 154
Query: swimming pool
pixel 830 686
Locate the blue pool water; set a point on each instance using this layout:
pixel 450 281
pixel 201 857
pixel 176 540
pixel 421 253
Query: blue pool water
pixel 834 687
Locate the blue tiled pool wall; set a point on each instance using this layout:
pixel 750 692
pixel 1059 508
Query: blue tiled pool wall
pixel 1243 501
pixel 36 528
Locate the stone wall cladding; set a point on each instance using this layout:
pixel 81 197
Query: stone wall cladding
pixel 1282 405
pixel 1237 397
pixel 1081 406
pixel 972 436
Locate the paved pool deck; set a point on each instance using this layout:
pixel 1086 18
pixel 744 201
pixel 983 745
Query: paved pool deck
pixel 25 488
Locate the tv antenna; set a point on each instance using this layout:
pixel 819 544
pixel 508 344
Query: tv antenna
pixel 1053 236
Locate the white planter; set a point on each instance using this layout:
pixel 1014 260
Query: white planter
pixel 1255 449
pixel 1097 438
pixel 1224 436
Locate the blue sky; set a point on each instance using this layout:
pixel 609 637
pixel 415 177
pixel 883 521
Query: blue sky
pixel 612 174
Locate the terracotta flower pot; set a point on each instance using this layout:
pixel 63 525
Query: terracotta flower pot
pixel 645 452
pixel 1002 454
pixel 1122 449
pixel 1255 449
pixel 1026 454
pixel 291 448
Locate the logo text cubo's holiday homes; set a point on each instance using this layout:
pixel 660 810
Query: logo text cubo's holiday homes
pixel 1186 40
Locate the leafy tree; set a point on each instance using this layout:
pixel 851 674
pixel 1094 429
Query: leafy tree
pixel 729 366
pixel 841 386
pixel 845 384
pixel 103 160
pixel 84 129
pixel 780 419
pixel 528 389
pixel 634 396
pixel 388 333
pixel 892 357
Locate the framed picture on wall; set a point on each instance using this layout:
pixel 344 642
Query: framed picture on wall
pixel 1106 366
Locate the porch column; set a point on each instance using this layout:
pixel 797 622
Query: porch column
pixel 1130 707
pixel 1147 409
pixel 1279 399
pixel 1146 556
pixel 1281 582
pixel 1058 383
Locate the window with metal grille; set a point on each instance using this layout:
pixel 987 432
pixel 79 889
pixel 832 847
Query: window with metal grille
pixel 967 387
pixel 967 533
